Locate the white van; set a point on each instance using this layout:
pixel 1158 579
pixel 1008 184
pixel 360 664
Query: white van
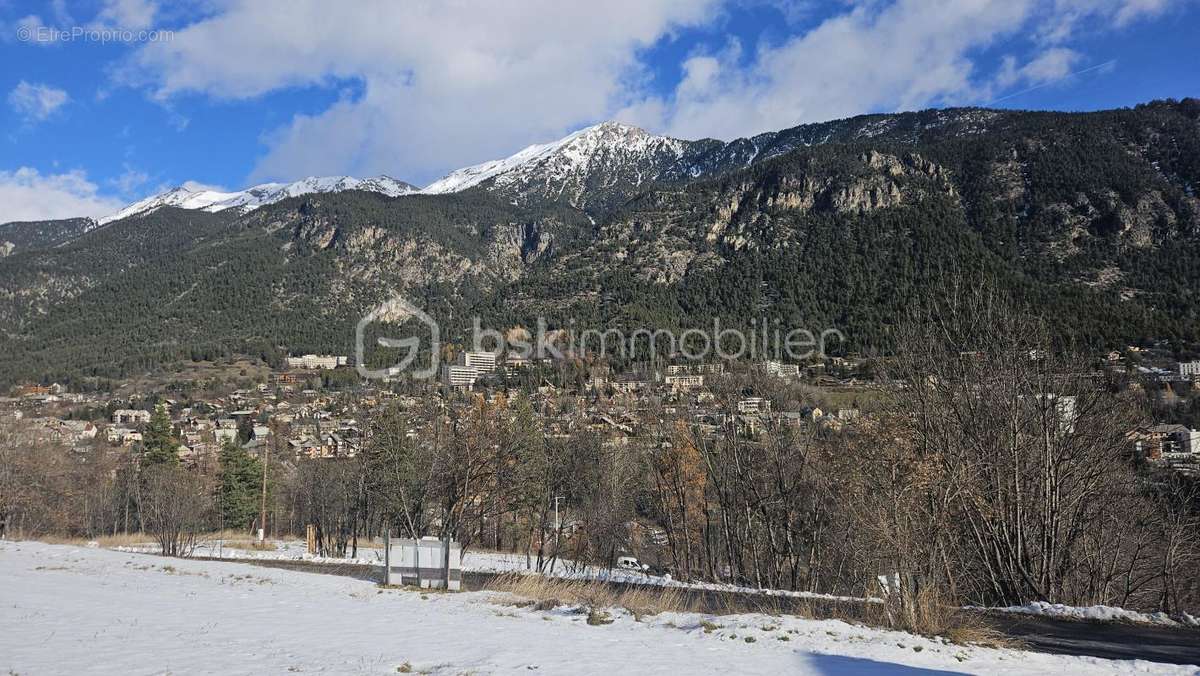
pixel 631 563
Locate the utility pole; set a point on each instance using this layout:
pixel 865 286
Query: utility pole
pixel 262 514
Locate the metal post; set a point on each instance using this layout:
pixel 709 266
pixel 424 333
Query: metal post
pixel 446 562
pixel 417 559
pixel 262 517
pixel 387 557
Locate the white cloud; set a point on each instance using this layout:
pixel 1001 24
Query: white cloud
pixel 903 55
pixel 130 180
pixel 1068 17
pixel 442 84
pixel 131 15
pixel 36 102
pixel 879 56
pixel 27 195
pixel 24 29
pixel 198 186
pixel 1134 10
pixel 1051 65
pixel 61 13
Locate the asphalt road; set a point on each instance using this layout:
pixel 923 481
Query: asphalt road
pixel 1110 640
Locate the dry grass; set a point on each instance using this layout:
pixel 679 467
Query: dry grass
pixel 929 613
pixel 546 593
pixel 118 540
pixel 969 629
pixel 250 545
pixel 227 534
pixel 234 539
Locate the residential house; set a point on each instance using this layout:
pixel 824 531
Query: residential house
pixel 754 405
pixel 126 416
pixel 777 369
pixel 684 383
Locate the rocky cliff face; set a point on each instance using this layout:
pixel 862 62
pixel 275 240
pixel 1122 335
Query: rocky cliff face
pixel 600 167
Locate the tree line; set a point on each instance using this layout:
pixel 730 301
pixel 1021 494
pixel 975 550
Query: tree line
pixel 995 470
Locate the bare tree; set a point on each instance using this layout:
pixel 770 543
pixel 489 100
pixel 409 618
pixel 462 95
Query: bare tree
pixel 399 468
pixel 176 507
pixel 1026 454
pixel 329 498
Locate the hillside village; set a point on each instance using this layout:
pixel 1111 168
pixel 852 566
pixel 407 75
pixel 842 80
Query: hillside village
pixel 300 411
pixel 316 421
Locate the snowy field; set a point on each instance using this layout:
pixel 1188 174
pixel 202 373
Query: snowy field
pixel 508 562
pixel 479 561
pixel 71 610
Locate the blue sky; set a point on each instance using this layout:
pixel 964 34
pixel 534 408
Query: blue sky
pixel 108 101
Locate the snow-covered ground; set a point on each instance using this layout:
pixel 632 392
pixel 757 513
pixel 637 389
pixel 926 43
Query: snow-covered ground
pixel 482 561
pixel 1098 614
pixel 509 562
pixel 67 609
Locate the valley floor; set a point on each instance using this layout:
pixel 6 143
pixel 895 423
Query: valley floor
pixel 69 609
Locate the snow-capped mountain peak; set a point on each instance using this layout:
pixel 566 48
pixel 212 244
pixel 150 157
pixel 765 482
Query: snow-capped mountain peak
pixel 596 167
pixel 567 166
pixel 196 196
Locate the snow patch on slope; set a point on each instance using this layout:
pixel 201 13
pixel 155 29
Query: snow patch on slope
pixel 571 156
pixel 195 196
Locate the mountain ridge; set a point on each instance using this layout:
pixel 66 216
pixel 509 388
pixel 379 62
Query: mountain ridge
pixel 598 167
pixel 194 196
pixel 1091 219
pixel 594 168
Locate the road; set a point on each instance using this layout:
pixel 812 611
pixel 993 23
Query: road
pixel 1110 640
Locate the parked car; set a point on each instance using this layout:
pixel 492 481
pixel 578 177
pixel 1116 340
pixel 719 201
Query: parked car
pixel 631 563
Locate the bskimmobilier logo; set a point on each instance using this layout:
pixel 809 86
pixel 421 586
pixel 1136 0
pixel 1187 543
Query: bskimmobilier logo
pixel 396 310
pixel 763 340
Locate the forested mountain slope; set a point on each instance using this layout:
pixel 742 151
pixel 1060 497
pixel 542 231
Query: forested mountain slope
pixel 1090 218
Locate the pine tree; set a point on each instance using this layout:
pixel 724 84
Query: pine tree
pixel 240 482
pixel 245 429
pixel 159 443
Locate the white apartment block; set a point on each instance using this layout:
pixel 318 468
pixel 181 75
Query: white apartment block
pixel 1189 442
pixel 684 382
pixel 314 362
pixel 126 416
pixel 680 369
pixel 484 362
pixel 778 369
pixel 1189 369
pixel 456 375
pixel 754 405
